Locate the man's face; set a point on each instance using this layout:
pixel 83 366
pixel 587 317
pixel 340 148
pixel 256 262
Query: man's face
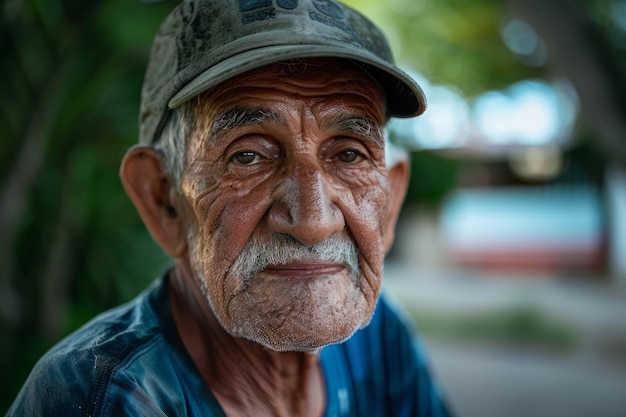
pixel 286 194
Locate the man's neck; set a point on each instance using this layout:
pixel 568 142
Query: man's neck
pixel 246 378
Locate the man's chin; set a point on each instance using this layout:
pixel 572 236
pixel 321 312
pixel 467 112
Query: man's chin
pixel 305 334
pixel 302 314
pixel 310 346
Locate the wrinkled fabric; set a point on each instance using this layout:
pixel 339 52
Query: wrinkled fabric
pixel 130 361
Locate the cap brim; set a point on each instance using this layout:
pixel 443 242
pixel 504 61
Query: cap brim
pixel 405 98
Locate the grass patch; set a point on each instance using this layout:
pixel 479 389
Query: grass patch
pixel 521 326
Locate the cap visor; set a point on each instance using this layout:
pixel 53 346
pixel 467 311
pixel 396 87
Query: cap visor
pixel 405 98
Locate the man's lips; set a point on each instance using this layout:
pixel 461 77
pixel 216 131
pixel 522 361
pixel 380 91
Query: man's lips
pixel 305 269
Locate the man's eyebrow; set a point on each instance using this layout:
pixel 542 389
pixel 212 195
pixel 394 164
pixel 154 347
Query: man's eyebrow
pixel 242 116
pixel 357 124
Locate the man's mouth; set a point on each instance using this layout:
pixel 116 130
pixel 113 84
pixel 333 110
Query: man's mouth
pixel 305 269
pixel 281 255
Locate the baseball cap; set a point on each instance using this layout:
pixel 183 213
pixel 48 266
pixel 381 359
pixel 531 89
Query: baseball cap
pixel 203 43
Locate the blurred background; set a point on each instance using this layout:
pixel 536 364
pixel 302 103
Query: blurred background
pixel 511 248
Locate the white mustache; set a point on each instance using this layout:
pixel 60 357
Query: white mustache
pixel 283 249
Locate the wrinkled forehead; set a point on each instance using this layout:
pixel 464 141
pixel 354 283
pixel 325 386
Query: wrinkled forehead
pixel 347 83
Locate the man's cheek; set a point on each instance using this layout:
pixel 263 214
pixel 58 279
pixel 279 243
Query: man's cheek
pixel 369 228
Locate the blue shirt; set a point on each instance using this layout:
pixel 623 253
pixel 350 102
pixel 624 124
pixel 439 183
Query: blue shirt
pixel 130 361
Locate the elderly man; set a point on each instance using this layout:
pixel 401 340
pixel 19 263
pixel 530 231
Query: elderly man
pixel 261 171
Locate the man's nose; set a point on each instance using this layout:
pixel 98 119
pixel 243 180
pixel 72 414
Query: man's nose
pixel 304 206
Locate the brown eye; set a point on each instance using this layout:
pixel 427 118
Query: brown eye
pixel 245 158
pixel 348 156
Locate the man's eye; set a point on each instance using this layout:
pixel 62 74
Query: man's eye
pixel 348 156
pixel 245 158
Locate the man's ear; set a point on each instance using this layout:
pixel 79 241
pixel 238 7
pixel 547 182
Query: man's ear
pixel 398 180
pixel 151 190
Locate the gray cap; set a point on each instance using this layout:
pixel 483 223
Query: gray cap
pixel 203 43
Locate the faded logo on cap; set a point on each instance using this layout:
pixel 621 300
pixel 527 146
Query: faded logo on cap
pixel 326 12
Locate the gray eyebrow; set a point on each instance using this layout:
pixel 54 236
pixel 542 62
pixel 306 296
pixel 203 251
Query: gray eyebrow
pixel 343 122
pixel 242 116
pixel 359 125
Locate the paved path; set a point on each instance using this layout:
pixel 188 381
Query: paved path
pixel 488 381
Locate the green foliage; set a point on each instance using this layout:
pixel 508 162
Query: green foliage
pixel 432 177
pixel 71 243
pixel 451 42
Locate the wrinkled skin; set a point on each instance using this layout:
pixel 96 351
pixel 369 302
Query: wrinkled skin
pixel 297 184
pixel 300 169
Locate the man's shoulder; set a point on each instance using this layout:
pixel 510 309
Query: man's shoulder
pixel 382 369
pixel 115 333
pixel 388 338
pixel 72 375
